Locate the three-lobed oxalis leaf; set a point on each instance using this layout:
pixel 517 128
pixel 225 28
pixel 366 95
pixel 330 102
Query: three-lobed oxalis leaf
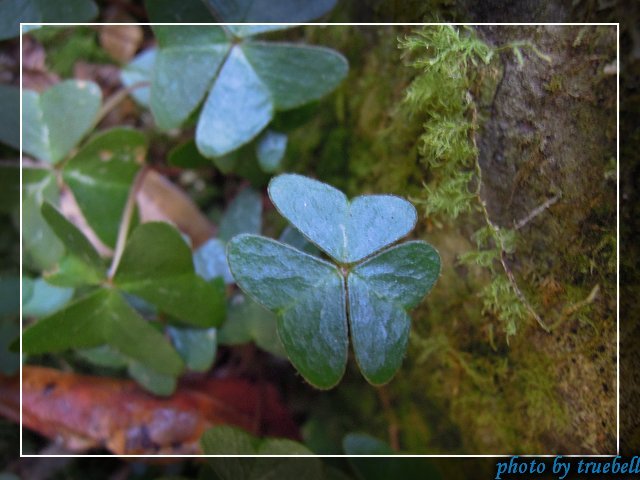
pixel 366 291
pixel 156 266
pixel 99 173
pixel 244 81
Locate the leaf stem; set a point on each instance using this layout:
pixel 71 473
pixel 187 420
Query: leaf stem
pixel 125 222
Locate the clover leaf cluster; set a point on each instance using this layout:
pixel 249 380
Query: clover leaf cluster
pixel 363 291
pixel 239 81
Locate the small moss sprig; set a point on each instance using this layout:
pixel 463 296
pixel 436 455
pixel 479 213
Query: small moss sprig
pixel 450 62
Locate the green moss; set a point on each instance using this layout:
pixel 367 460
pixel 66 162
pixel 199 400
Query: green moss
pixel 462 389
pixel 554 85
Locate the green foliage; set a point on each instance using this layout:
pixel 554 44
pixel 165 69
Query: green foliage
pixel 10 115
pixel 238 11
pixel 309 295
pixel 361 444
pixel 500 299
pixel 82 265
pixel 56 120
pixel 224 440
pixel 186 155
pixel 102 317
pixel 64 46
pixel 100 176
pixel 450 62
pixel 296 287
pixel 264 11
pixel 157 266
pixel 246 320
pixel 445 56
pixel 244 81
pixel 12 12
pixel 382 468
pixel 9 327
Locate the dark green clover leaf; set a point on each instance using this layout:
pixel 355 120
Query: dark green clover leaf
pixel 381 290
pixel 356 444
pixel 100 176
pixel 249 321
pixel 270 11
pixel 157 266
pixel 178 11
pixel 297 287
pixel 82 265
pixel 12 12
pixel 225 440
pixel 56 120
pixel 186 155
pixel 103 317
pixel 242 82
pixel 311 297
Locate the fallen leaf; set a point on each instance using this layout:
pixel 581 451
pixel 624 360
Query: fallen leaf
pixel 121 41
pixel 82 412
pixel 161 200
pixel 70 208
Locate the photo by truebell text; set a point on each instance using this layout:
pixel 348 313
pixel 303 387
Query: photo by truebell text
pixel 561 467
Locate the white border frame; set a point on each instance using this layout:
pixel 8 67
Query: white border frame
pixel 618 66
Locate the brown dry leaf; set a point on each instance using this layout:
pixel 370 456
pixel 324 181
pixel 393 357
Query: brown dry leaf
pixel 83 412
pixel 70 209
pixel 161 200
pixel 121 41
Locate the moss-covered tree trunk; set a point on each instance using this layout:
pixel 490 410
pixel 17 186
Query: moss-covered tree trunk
pixel 548 148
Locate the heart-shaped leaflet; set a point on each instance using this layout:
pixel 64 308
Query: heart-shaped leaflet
pixel 308 297
pixel 380 291
pixel 348 231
